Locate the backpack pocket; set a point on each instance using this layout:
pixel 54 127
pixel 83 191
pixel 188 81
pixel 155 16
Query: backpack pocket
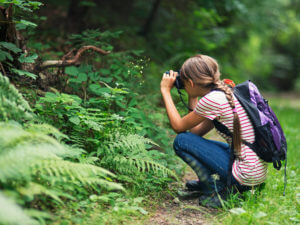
pixel 264 144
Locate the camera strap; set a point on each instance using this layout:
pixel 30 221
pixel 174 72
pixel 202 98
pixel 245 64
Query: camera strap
pixel 180 94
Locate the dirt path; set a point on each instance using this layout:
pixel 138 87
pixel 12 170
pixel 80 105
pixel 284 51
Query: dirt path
pixel 183 212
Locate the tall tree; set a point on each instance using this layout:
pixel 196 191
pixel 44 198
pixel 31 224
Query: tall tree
pixel 76 17
pixel 147 26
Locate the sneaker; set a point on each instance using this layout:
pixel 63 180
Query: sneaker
pixel 188 195
pixel 193 185
pixel 212 200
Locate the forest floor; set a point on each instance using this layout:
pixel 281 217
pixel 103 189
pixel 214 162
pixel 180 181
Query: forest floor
pixel 183 212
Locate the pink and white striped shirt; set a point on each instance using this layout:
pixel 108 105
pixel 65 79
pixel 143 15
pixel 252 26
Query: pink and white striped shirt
pixel 248 169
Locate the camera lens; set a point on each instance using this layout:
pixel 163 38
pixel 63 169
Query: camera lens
pixel 179 83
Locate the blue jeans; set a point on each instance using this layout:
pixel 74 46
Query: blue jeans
pixel 206 157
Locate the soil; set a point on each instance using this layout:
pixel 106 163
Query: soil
pixel 183 212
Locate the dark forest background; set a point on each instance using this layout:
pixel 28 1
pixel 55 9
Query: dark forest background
pixel 257 40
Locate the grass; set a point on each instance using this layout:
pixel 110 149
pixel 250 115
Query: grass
pixel 269 206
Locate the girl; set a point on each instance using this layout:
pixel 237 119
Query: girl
pixel 201 77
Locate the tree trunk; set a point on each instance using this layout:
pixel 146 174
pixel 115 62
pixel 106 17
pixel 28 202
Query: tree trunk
pixel 8 33
pixel 147 26
pixel 75 19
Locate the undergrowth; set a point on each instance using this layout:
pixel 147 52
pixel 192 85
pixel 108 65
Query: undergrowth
pixel 87 150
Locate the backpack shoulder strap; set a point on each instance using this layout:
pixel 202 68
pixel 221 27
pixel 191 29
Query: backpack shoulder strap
pixel 223 129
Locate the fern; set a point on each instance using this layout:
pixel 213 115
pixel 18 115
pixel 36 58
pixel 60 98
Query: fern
pixel 32 189
pixel 26 154
pixel 12 104
pixel 32 163
pixel 83 174
pixel 78 140
pixel 46 129
pixel 11 213
pixel 127 154
pixel 13 135
pixel 15 165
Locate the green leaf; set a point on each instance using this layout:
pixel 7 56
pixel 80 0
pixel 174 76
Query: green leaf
pixel 28 23
pixel 97 89
pixel 75 120
pixel 5 55
pixel 73 80
pixel 28 59
pixel 105 71
pixel 106 79
pixel 137 52
pixel 10 46
pixel 51 97
pixel 119 91
pixel 259 214
pixel 71 70
pixel 120 104
pixel 82 77
pixel 237 211
pixel 94 76
pixel 23 72
pixel 132 103
pixel 35 4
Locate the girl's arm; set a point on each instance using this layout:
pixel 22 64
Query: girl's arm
pixel 178 124
pixel 205 126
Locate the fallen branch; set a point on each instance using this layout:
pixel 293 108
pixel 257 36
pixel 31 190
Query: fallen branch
pixel 2 68
pixel 68 62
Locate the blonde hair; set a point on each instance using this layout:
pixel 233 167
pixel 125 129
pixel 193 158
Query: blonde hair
pixel 204 71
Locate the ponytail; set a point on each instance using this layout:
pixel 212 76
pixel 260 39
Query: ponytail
pixel 237 140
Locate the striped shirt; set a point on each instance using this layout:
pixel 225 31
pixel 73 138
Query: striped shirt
pixel 248 169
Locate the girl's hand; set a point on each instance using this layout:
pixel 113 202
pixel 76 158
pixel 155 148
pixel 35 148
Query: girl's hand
pixel 167 81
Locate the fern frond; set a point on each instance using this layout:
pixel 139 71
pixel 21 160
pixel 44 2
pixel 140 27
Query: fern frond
pixel 127 154
pixel 32 189
pixel 26 156
pixel 131 141
pixel 83 174
pixel 12 136
pixel 46 129
pixel 12 104
pixel 110 186
pixel 75 171
pixel 11 213
pixel 15 165
pixel 23 164
pixel 77 139
pixel 133 165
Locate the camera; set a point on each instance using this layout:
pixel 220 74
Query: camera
pixel 178 82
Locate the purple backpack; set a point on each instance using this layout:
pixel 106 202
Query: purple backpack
pixel 270 143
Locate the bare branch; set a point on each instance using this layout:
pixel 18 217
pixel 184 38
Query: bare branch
pixel 2 68
pixel 64 62
pixel 68 54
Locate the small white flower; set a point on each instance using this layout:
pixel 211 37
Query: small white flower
pixel 215 176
